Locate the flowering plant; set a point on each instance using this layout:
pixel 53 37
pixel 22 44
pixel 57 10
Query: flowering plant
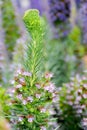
pixel 32 93
pixel 72 104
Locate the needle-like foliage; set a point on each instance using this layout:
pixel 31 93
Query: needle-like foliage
pixel 34 25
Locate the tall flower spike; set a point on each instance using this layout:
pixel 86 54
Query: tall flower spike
pixel 30 101
pixel 32 20
pixel 34 26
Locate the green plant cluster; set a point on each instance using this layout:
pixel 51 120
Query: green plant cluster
pixel 6 125
pixel 63 57
pixel 10 26
pixel 4 109
pixel 57 63
pixel 4 100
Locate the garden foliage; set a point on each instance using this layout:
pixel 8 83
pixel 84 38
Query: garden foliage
pixel 11 29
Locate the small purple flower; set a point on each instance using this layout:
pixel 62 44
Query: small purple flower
pixel 24 102
pixel 30 119
pixel 18 86
pixel 42 110
pixel 38 85
pixel 26 74
pixel 30 99
pixel 38 95
pixel 19 96
pixel 84 121
pixel 85 96
pixel 20 119
pixel 48 75
pixel 43 128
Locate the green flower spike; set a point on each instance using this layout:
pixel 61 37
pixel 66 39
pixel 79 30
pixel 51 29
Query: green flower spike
pixel 34 25
pixel 32 20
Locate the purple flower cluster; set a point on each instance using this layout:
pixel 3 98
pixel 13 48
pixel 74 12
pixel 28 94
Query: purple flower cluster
pixel 82 1
pixel 83 20
pixel 73 100
pixel 60 13
pixel 59 10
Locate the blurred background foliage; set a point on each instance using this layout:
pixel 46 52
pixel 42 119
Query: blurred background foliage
pixel 10 26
